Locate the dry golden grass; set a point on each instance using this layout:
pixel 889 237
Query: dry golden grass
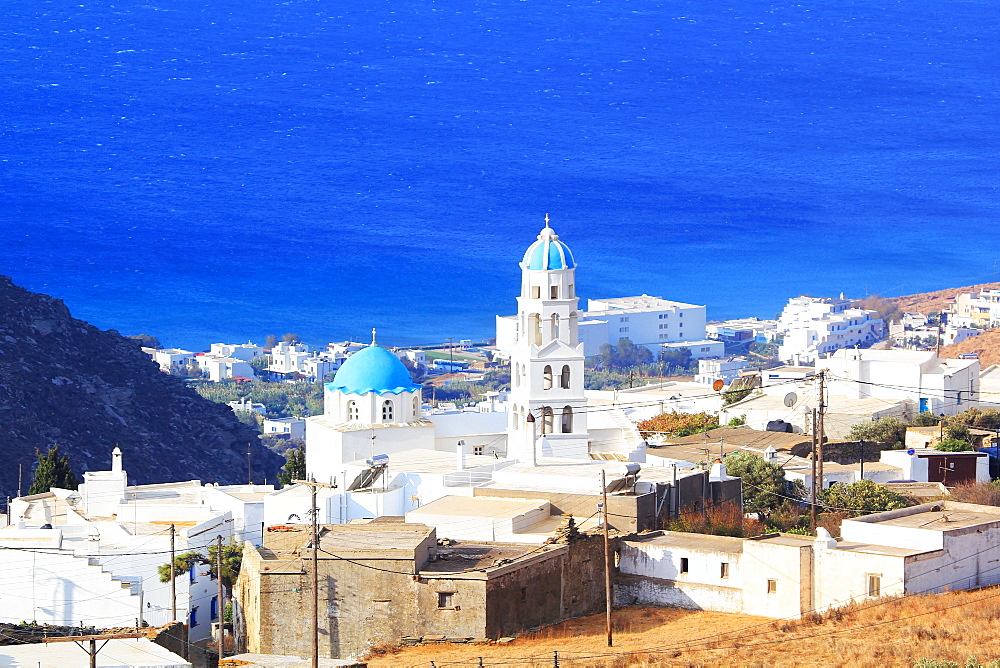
pixel 925 302
pixel 890 632
pixel 986 344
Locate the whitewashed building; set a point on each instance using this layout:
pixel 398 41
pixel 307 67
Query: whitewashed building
pixel 933 547
pixel 814 326
pixel 937 385
pixel 91 555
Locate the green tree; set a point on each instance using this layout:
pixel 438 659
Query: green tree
pixel 764 484
pixel 232 560
pixel 924 419
pixel 294 468
pixel 888 431
pixel 182 564
pixel 863 496
pixel 52 470
pixel 953 445
pixel 958 432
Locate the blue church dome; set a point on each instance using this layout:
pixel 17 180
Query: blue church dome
pixel 548 253
pixel 372 369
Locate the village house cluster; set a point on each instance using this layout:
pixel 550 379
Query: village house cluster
pixel 483 522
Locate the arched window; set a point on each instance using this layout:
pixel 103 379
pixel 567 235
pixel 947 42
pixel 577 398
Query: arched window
pixel 352 411
pixel 514 418
pixel 416 408
pixel 564 377
pixel 535 328
pixel 567 420
pixel 517 374
pixel 555 326
pixel 553 292
pixel 386 410
pixel 547 377
pixel 546 419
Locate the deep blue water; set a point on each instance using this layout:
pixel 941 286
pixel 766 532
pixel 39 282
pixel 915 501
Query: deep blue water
pixel 213 170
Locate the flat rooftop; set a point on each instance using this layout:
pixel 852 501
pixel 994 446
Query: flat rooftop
pixel 479 506
pixel 461 555
pixel 422 460
pixel 692 541
pixel 940 516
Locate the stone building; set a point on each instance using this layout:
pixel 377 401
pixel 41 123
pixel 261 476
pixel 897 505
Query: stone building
pixel 387 579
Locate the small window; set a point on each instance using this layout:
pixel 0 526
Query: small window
pixel 874 585
pixel 536 292
pixel 446 599
pixel 193 618
pixel 387 410
pixel 554 292
pixel 524 594
pixel 215 607
pixel 724 570
pixel 684 565
pixel 191 573
pixel 479 449
pixel 772 586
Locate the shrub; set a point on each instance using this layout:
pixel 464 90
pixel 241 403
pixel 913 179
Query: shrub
pixel 953 445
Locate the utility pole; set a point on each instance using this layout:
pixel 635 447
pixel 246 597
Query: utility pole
pixel 173 577
pixel 862 459
pixel 220 606
pixel 249 470
pixel 607 557
pixel 820 434
pixel 315 565
pixel 92 649
pixel 812 494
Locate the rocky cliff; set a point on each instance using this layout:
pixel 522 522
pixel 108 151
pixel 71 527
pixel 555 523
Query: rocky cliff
pixel 64 381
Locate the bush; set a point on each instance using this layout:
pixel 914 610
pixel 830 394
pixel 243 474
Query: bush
pixel 888 431
pixel 678 424
pixel 863 496
pixel 953 445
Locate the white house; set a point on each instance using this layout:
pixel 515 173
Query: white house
pixel 292 427
pixel 221 368
pixel 171 359
pixel 241 351
pixel 936 385
pixel 934 547
pixel 743 329
pixel 91 555
pixel 726 370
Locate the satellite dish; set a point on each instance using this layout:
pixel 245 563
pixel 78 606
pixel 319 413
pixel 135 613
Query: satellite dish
pixel 718 385
pixel 790 399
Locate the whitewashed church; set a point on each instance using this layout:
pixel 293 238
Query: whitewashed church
pixel 373 410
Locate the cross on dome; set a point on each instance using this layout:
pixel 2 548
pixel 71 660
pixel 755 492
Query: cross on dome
pixel 373 336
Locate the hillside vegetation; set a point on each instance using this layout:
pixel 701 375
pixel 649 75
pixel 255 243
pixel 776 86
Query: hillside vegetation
pixel 891 632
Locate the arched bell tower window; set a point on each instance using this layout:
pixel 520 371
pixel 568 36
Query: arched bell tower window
pixel 387 410
pixel 564 377
pixel 352 411
pixel 547 377
pixel 567 420
pixel 554 327
pixel 416 408
pixel 547 419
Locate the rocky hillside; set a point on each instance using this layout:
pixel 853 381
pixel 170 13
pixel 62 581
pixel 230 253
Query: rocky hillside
pixel 65 381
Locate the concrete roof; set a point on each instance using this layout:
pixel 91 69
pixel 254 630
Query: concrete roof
pixel 938 516
pixel 478 506
pixel 692 541
pixel 460 556
pixel 836 403
pixel 734 438
pixel 375 536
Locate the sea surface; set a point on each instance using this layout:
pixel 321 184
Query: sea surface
pixel 214 170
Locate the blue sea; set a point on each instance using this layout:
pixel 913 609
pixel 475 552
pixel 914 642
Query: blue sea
pixel 214 170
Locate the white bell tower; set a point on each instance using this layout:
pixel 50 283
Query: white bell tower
pixel 547 358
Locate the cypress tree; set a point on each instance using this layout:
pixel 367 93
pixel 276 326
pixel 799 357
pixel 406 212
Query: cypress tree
pixel 52 470
pixel 295 467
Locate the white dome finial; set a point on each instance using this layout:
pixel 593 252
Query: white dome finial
pixel 373 336
pixel 547 233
